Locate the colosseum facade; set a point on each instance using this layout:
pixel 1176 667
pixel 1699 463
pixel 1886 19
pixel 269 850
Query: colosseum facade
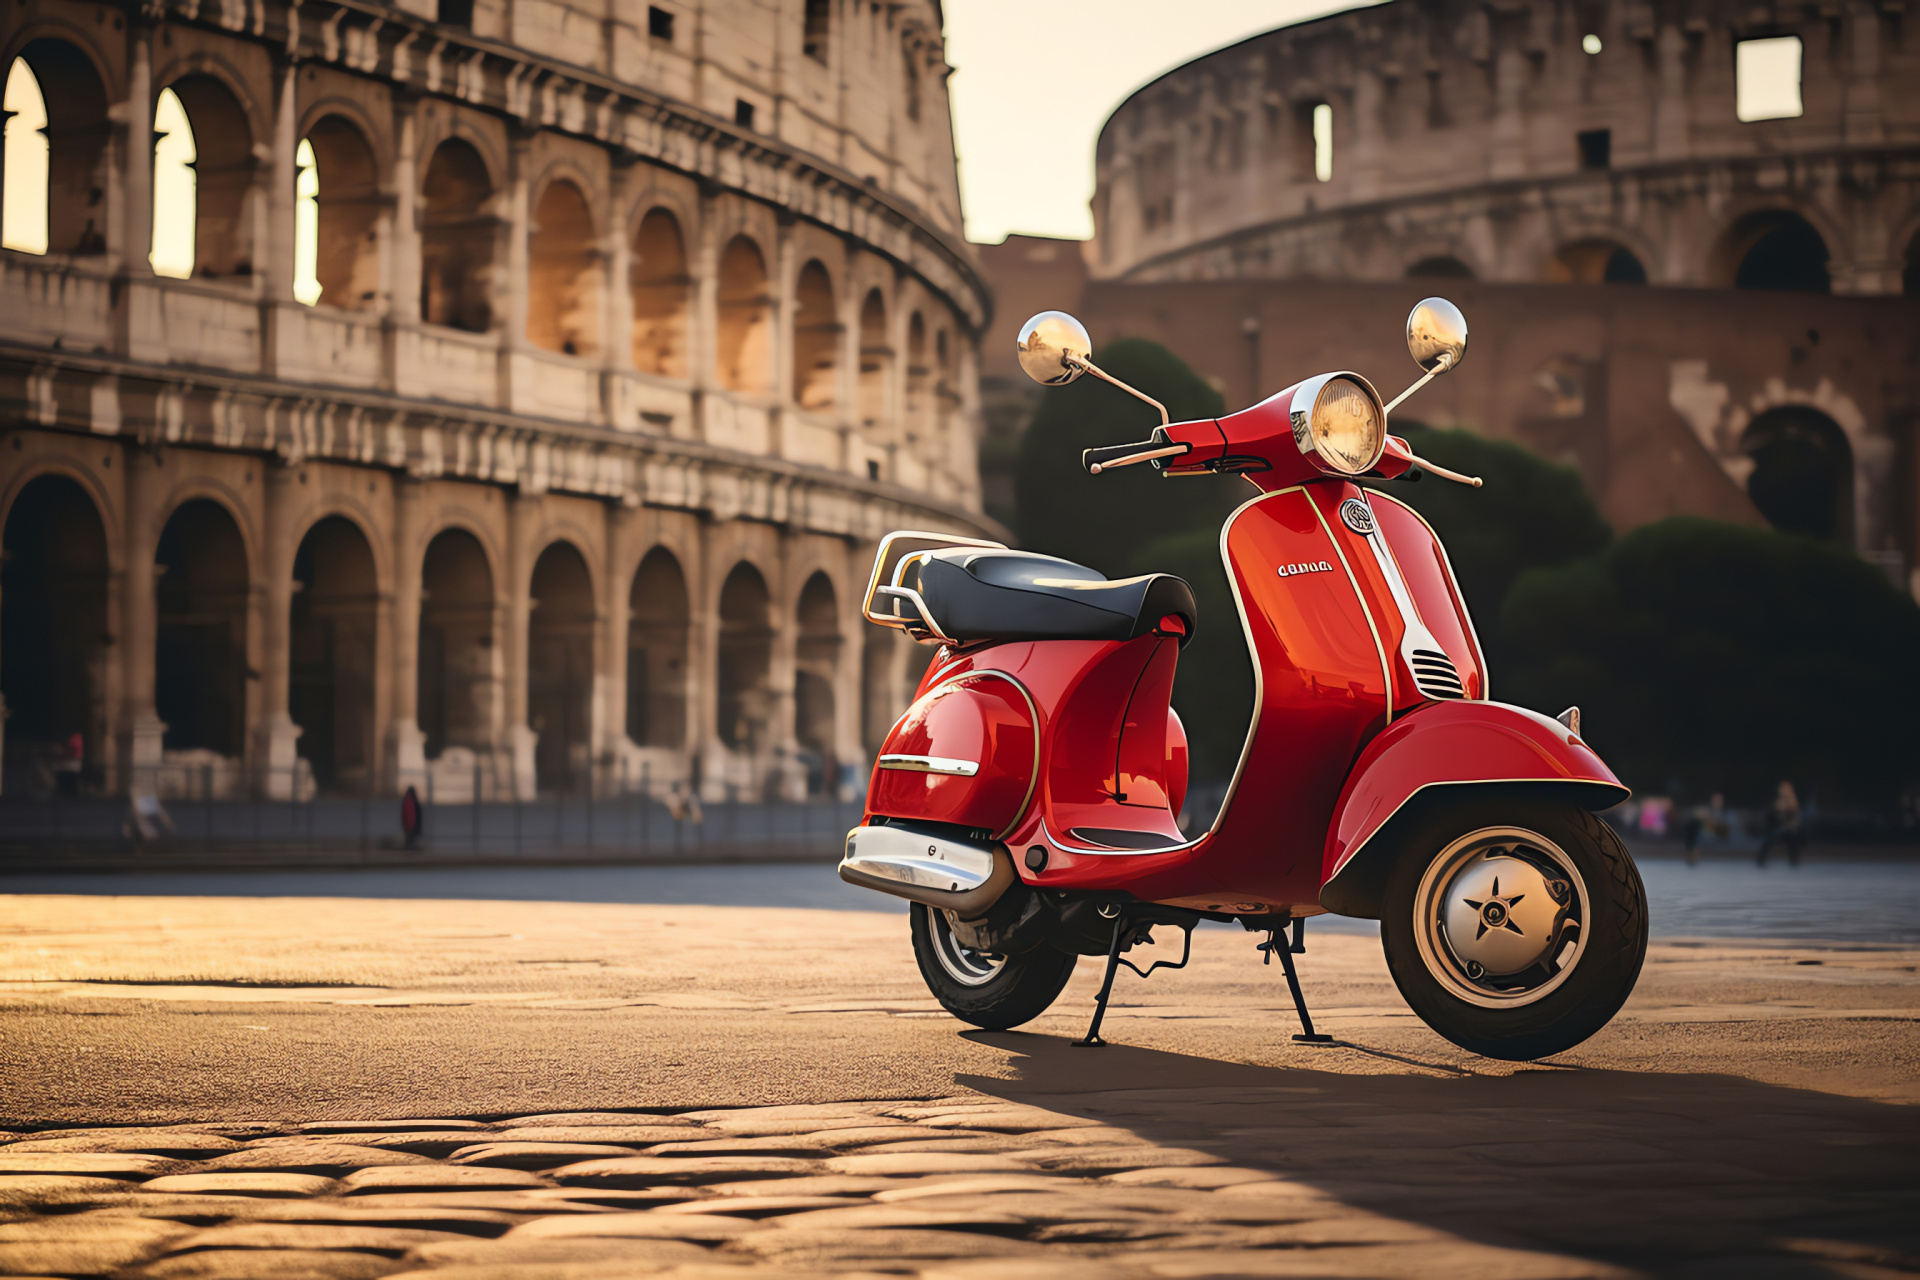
pixel 508 390
pixel 1686 234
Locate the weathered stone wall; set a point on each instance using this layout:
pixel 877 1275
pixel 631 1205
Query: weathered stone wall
pixel 499 349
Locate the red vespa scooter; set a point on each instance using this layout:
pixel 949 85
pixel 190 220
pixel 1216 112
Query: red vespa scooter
pixel 1027 802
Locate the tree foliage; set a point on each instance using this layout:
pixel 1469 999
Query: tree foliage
pixel 1713 657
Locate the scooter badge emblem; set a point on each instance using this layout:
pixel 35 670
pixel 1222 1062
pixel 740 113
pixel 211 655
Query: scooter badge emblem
pixel 1309 566
pixel 1357 516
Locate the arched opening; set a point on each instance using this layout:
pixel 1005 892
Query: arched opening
pixel 1776 250
pixel 560 667
pixel 56 152
pixel 53 637
pixel 1595 262
pixel 200 656
pixel 336 241
pixel 203 181
pixel 876 358
pixel 745 340
pixel 456 239
pixel 657 628
pixel 1910 276
pixel 878 700
pixel 1442 267
pixel 662 290
pixel 744 709
pixel 817 661
pixel 457 663
pixel 816 341
pixel 918 374
pixel 1802 477
pixel 563 274
pixel 330 652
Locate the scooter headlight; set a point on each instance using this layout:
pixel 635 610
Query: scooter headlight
pixel 1347 425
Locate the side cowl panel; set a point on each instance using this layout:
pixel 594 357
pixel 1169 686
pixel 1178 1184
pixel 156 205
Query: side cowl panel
pixel 965 753
pixel 1439 751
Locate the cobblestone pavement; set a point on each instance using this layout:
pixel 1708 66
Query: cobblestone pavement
pixel 261 1087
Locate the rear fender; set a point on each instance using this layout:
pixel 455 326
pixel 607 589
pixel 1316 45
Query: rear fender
pixel 1441 754
pixel 964 754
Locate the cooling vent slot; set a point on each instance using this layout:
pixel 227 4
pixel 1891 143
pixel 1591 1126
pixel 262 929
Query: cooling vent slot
pixel 1435 674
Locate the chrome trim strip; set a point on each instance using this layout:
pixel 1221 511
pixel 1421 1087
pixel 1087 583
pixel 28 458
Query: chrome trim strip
pixel 929 764
pixel 1459 596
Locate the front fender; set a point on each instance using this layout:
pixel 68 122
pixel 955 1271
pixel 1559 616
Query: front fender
pixel 1436 753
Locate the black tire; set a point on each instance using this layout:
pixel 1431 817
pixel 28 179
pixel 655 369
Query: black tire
pixel 1555 1003
pixel 1002 991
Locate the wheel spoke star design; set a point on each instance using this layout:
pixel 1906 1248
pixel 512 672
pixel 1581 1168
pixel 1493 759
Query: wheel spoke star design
pixel 1495 911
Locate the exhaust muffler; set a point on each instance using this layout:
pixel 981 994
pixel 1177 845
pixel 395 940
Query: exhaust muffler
pixel 929 866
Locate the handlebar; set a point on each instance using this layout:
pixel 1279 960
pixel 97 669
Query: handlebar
pixel 1107 457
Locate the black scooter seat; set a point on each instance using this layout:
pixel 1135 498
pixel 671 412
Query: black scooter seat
pixel 976 594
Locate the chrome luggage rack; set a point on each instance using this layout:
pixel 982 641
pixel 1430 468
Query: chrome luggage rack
pixel 901 553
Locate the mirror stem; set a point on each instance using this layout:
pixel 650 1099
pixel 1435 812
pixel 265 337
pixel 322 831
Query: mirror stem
pixel 1445 474
pixel 1104 376
pixel 1446 363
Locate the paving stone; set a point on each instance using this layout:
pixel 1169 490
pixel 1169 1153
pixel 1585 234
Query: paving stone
pixel 857 1135
pixel 614 1198
pixel 325 1158
pixel 1201 1177
pixel 1054 1267
pixel 897 1217
pixel 987 1185
pixel 758 1206
pixel 464 1220
pixel 87 1164
pixel 658 1226
pixel 750 1126
pixel 50 1189
pixel 772 1146
pixel 389 1126
pixel 519 1203
pixel 642 1171
pixel 577 1118
pixel 909 1162
pixel 418 1177
pixel 796 1111
pixel 246 1182
pixel 297 1235
pixel 279 1264
pixel 881 1246
pixel 534 1155
pixel 637 1135
pixel 825 1184
pixel 159 1142
pixel 523 1256
pixel 977 1143
pixel 193 1210
pixel 88 1228
pixel 72 1257
pixel 1090 1158
pixel 1002 1119
pixel 434 1143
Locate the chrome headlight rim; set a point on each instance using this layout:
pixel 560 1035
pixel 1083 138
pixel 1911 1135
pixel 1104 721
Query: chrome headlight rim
pixel 1305 421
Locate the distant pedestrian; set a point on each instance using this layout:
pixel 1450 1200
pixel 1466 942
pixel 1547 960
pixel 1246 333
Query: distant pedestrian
pixel 1708 819
pixel 1783 825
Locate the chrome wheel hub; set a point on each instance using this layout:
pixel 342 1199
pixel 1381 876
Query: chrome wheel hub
pixel 963 964
pixel 1499 917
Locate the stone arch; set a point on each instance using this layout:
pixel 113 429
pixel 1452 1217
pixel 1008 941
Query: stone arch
pixel 1775 249
pixel 744 698
pixel 223 165
pixel 202 602
pixel 745 340
pixel 1443 266
pixel 332 652
pixel 68 148
pixel 337 237
pixel 659 620
pixel 1595 260
pixel 816 668
pixel 457 234
pixel 876 358
pixel 53 635
pixel 1802 477
pixel 457 680
pixel 662 289
pixel 879 705
pixel 816 340
pixel 919 375
pixel 560 667
pixel 563 272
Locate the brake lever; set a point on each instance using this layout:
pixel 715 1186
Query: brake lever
pixel 1129 459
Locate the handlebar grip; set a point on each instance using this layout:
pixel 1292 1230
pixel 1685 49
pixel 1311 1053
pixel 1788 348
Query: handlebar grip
pixel 1107 453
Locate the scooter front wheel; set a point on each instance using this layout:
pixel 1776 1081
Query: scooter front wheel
pixel 994 992
pixel 1515 931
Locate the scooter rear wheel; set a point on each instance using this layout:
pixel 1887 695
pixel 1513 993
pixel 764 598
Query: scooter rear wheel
pixel 1515 931
pixel 994 992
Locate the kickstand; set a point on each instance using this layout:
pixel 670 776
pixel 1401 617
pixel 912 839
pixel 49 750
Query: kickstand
pixel 1093 1040
pixel 1286 951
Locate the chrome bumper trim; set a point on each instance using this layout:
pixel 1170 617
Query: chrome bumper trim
pixel 954 875
pixel 931 764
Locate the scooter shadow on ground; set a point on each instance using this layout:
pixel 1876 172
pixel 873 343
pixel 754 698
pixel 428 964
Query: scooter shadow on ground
pixel 1672 1174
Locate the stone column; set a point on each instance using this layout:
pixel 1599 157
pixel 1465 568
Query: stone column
pixel 402 327
pixel 610 658
pixel 1671 127
pixel 136 208
pixel 280 339
pixel 275 736
pixel 785 277
pixel 790 781
pixel 140 730
pixel 523 512
pixel 406 744
pixel 510 301
pixel 849 673
pixel 616 316
pixel 704 263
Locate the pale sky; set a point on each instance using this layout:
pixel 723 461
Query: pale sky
pixel 1032 85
